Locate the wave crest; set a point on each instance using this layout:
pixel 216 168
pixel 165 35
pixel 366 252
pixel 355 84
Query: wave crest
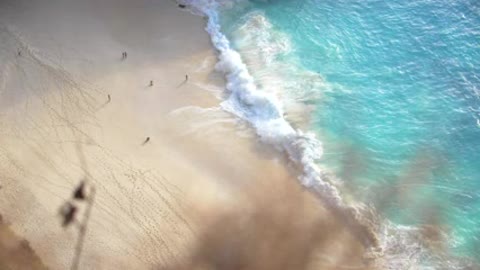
pixel 263 110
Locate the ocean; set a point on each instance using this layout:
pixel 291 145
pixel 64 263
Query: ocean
pixel 378 101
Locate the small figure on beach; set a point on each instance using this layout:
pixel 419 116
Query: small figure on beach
pixel 186 77
pixel 80 192
pixel 146 141
pixel 109 98
pixel 68 213
pixel 19 53
pixel 124 55
pixel 151 83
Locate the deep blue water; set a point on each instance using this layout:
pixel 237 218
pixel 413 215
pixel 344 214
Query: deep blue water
pixel 395 91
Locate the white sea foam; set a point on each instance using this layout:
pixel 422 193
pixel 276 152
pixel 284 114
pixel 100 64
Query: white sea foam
pixel 402 247
pixel 263 110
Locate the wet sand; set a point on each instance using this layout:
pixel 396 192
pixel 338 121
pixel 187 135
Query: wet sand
pixel 201 193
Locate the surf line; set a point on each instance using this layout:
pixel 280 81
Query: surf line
pixel 264 112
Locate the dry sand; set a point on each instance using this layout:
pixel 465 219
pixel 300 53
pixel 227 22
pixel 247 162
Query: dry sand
pixel 202 193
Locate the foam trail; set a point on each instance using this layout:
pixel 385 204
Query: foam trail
pixel 395 247
pixel 263 110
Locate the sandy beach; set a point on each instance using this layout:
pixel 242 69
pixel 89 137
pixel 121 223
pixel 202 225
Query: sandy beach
pixel 200 193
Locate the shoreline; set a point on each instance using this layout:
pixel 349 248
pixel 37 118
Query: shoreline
pixel 172 203
pixel 364 221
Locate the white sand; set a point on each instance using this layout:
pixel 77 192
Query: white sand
pixel 201 194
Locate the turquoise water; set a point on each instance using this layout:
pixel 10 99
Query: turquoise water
pixel 393 91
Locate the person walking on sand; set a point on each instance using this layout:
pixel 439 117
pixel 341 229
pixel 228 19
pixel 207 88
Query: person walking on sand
pixel 151 83
pixel 146 141
pixel 186 77
pixel 109 98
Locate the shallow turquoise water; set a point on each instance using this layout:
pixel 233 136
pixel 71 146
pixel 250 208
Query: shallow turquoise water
pixel 398 102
